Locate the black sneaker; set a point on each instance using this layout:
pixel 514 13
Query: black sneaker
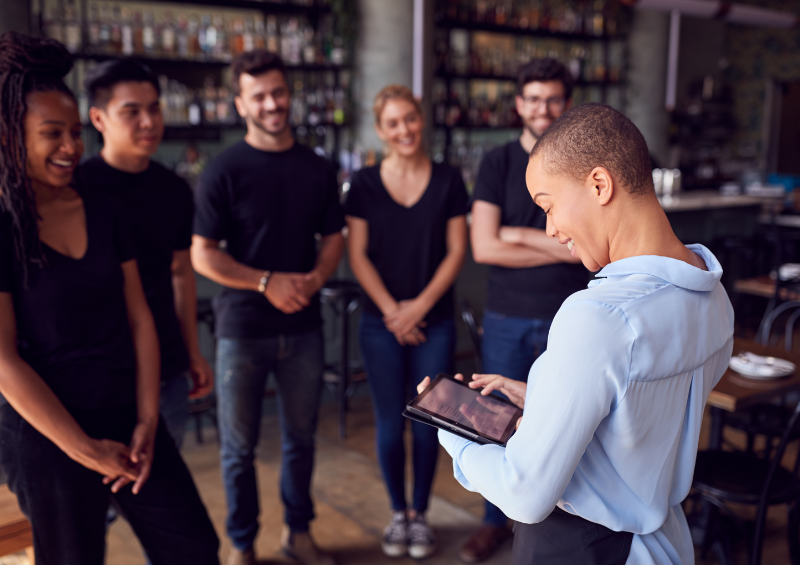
pixel 395 536
pixel 421 541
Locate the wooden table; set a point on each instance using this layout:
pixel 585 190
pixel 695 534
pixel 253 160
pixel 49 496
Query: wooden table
pixel 736 392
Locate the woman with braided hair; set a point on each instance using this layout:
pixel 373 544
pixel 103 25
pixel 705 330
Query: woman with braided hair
pixel 79 361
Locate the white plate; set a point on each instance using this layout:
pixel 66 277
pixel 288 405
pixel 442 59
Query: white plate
pixel 759 367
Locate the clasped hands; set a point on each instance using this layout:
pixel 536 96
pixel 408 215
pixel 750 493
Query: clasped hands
pixel 514 390
pixel 291 292
pixel 406 322
pixel 120 464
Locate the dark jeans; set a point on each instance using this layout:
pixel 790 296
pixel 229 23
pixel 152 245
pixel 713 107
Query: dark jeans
pixel 510 346
pixel 242 369
pixel 394 371
pixel 66 503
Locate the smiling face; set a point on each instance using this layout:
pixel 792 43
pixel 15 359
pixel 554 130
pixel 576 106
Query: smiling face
pixel 131 122
pixel 577 212
pixel 400 127
pixel 52 138
pixel 540 104
pixel 264 101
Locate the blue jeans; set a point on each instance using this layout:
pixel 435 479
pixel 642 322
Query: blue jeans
pixel 394 371
pixel 510 346
pixel 174 405
pixel 242 369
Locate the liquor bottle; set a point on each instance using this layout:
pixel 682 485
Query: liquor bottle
pixel 208 36
pixel 272 39
pixel 168 36
pixel 259 41
pixel 248 37
pixel 116 31
pixel 193 31
pixel 221 49
pixel 94 29
pixel 182 37
pixel 54 23
pixel 307 43
pixel 138 33
pixel 163 97
pixel 501 13
pixel 597 19
pixel 534 14
pixel 481 7
pixel 149 34
pixel 72 28
pixel 127 32
pixel 105 28
pixel 339 116
pixel 210 104
pixel 196 110
pixel 223 106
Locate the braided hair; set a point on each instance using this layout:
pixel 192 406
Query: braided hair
pixel 27 64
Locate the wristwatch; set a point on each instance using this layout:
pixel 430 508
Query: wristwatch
pixel 262 284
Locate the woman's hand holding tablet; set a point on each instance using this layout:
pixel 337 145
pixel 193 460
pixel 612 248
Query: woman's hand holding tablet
pixel 451 404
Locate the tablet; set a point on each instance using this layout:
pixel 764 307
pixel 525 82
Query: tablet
pixel 453 406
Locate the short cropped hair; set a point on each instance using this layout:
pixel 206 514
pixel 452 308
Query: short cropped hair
pixel 543 70
pixel 393 92
pixel 101 80
pixel 596 135
pixel 254 63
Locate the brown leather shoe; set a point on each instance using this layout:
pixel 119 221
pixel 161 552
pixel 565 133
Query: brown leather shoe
pixel 239 557
pixel 482 544
pixel 300 548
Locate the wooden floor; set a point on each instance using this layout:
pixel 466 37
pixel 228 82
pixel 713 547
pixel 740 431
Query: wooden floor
pixel 351 501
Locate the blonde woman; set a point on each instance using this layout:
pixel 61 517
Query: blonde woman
pixel 408 237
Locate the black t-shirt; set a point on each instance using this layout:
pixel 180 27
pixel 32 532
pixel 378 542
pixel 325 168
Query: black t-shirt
pixel 72 320
pixel 268 207
pixel 406 245
pixel 158 204
pixel 535 292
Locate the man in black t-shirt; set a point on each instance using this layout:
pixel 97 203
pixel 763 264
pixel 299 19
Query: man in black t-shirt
pixel 531 274
pixel 124 107
pixel 269 199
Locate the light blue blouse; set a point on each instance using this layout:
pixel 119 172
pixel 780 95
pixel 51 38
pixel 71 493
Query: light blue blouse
pixel 614 407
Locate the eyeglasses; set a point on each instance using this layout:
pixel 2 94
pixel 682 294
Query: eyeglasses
pixel 552 103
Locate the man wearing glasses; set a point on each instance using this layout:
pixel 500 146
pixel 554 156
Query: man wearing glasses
pixel 530 274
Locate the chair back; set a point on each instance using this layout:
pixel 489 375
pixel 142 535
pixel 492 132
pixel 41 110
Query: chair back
pixel 770 317
pixel 475 333
pixel 790 434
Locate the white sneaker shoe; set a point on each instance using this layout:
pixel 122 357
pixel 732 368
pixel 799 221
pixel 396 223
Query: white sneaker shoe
pixel 421 541
pixel 395 536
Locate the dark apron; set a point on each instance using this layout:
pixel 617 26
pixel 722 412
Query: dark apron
pixel 566 539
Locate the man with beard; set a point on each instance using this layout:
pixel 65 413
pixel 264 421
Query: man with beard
pixel 530 274
pixel 268 198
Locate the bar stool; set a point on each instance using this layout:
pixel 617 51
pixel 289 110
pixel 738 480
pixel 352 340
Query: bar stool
pixel 343 297
pixel 206 406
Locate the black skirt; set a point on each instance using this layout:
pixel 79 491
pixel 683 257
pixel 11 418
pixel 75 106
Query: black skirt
pixel 566 539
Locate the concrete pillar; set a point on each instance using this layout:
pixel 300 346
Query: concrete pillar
pixel 15 15
pixel 647 78
pixel 383 56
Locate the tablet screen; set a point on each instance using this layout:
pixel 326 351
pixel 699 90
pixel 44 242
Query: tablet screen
pixel 487 415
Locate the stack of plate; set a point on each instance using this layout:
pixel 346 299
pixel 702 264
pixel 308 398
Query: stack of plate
pixel 759 367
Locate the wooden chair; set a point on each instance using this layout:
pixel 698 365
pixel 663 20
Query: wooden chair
pixel 15 530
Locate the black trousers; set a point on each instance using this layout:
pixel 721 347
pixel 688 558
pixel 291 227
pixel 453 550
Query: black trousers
pixel 566 539
pixel 66 503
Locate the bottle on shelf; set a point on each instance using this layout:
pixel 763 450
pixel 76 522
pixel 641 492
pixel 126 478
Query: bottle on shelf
pixel 94 27
pixel 105 29
pixel 138 33
pixel 116 32
pixel 149 34
pixel 169 36
pixel 72 28
pixel 54 23
pixel 193 35
pixel 126 28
